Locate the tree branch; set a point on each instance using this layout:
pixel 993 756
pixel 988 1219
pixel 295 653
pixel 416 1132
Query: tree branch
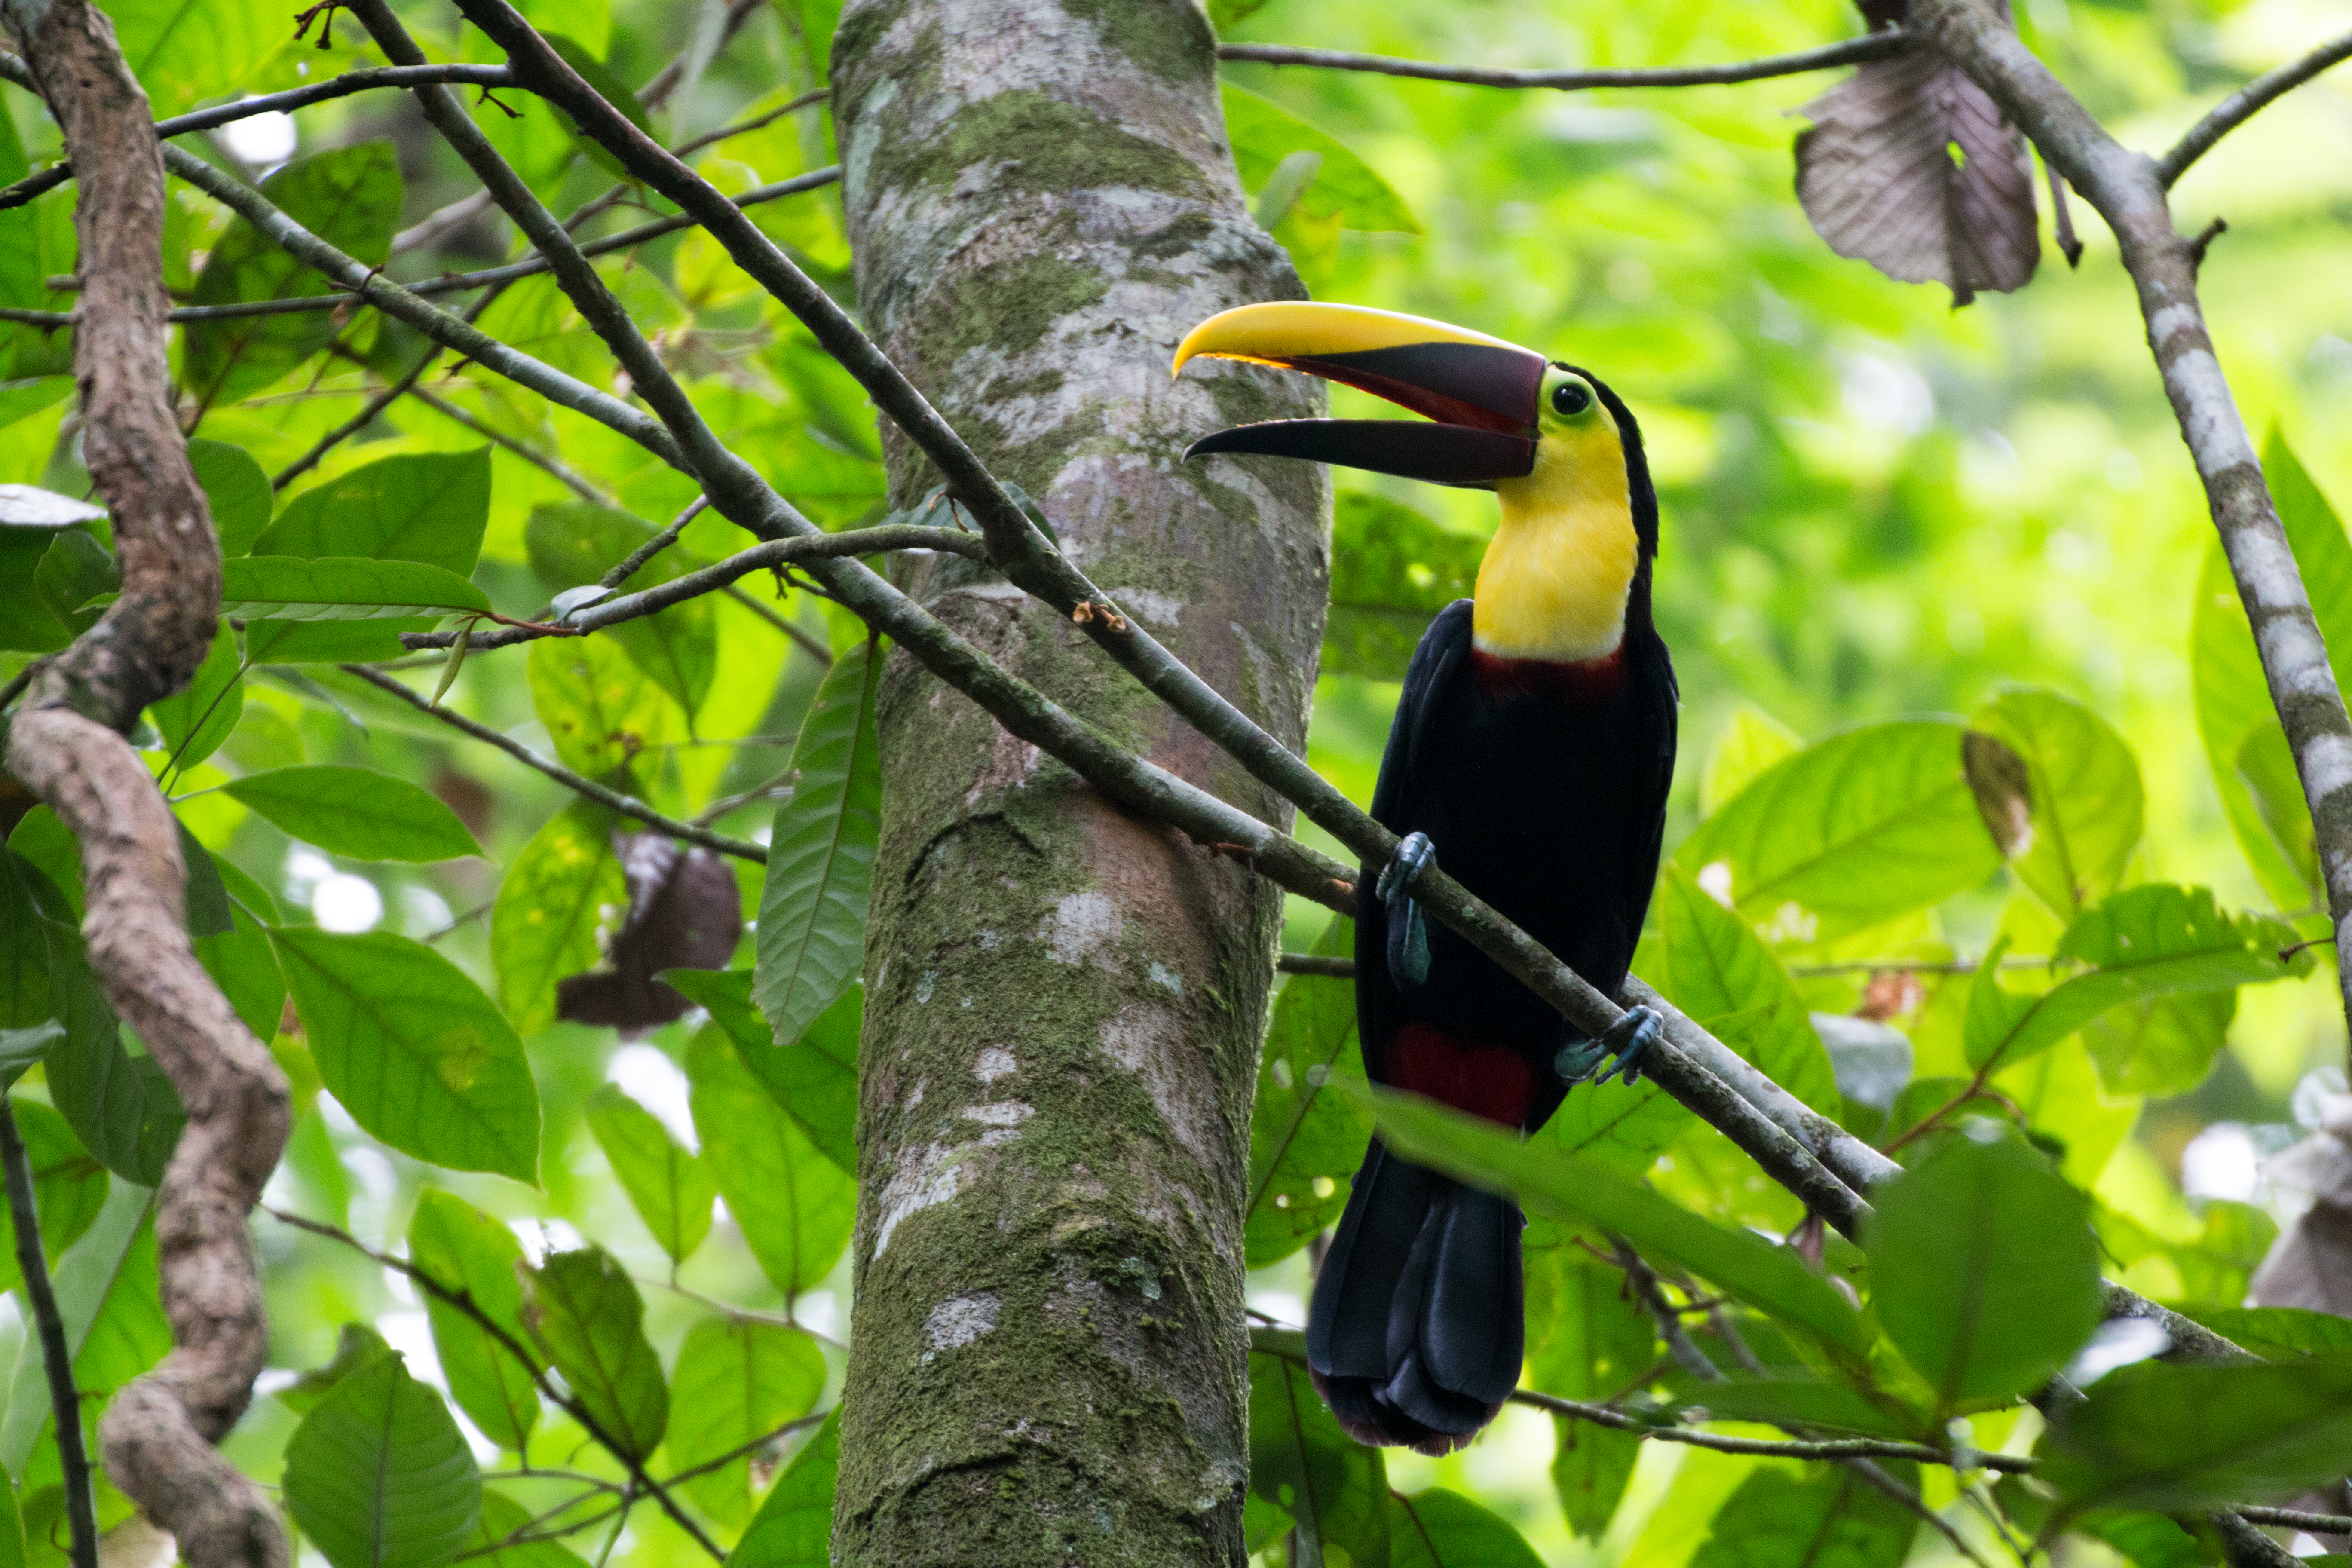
pixel 2244 104
pixel 65 744
pixel 628 806
pixel 1850 51
pixel 57 1359
pixel 2127 190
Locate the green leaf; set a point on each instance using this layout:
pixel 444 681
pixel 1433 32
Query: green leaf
pixel 2169 1439
pixel 2152 1541
pixel 577 543
pixel 350 197
pixel 244 967
pixel 599 707
pixel 205 898
pixel 1863 827
pixel 1391 571
pixel 413 1050
pixel 356 812
pixel 612 88
pixel 429 507
pixel 2086 801
pixel 1793 1404
pixel 1304 1142
pixel 1439 1529
pixel 670 1189
pixel 26 623
pixel 1553 1181
pixel 2278 1333
pixel 185 51
pixel 122 1108
pixel 1714 968
pixel 586 1311
pixel 2162 1046
pixel 74 570
pixel 812 937
pixel 287 587
pixel 1983 1268
pixel 815 1079
pixel 1781 1517
pixel 12 1527
pixel 550 905
pixel 2266 770
pixel 197 719
pixel 85 1276
pixel 1345 188
pixel 1335 1489
pixel 794 1206
pixel 379 1476
pixel 505 1521
pixel 794 1527
pixel 738 1381
pixel 25 994
pixel 238 490
pixel 357 1347
pixel 2153 939
pixel 1591 1338
pixel 1750 743
pixel 465 1249
pixel 69 1187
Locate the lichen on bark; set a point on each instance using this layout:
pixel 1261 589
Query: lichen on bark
pixel 1064 1001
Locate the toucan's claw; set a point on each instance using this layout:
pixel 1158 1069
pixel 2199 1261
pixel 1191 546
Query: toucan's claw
pixel 1408 927
pixel 1620 1048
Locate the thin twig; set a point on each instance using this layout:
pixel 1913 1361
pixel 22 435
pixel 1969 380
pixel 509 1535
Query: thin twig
pixel 1316 964
pixel 1850 51
pixel 2244 104
pixel 57 1357
pixel 627 566
pixel 463 1301
pixel 628 806
pixel 1643 1281
pixel 2295 1519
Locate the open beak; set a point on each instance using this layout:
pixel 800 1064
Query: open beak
pixel 1479 391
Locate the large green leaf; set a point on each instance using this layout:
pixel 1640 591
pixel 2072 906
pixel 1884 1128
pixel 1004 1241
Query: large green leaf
pixel 238 490
pixel 1345 187
pixel 1578 1189
pixel 586 1311
pixel 1304 1142
pixel 1751 742
pixel 794 1206
pixel 1713 967
pixel 186 51
pixel 242 963
pixel 577 543
pixel 821 855
pixel 1863 827
pixel 69 1186
pixel 357 812
pixel 2151 941
pixel 130 1333
pixel 378 1476
pixel 24 992
pixel 350 197
pixel 1391 571
pixel 1335 1489
pixel 85 1278
pixel 794 1527
pixel 331 588
pixel 2087 803
pixel 2278 1333
pixel 2252 770
pixel 2169 1439
pixel 123 1107
pixel 468 1252
pixel 425 507
pixel 1983 1268
pixel 2161 1047
pixel 599 707
pixel 738 1380
pixel 1439 1529
pixel 551 902
pixel 816 1079
pixel 1828 1518
pixel 198 717
pixel 1591 1338
pixel 671 1189
pixel 413 1050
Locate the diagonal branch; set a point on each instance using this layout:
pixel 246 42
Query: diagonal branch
pixel 2244 104
pixel 1848 52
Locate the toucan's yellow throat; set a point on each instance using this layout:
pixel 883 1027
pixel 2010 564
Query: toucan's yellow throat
pixel 1559 452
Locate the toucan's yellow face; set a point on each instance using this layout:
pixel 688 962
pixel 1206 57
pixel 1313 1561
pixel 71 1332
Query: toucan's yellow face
pixel 1555 582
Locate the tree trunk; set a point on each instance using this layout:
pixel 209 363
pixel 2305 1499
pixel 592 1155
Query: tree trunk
pixel 1064 1002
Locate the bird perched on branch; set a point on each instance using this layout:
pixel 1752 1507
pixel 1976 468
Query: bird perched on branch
pixel 1530 756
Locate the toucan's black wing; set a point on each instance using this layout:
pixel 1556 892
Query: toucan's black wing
pixel 1436 662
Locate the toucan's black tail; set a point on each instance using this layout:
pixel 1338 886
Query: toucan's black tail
pixel 1418 1328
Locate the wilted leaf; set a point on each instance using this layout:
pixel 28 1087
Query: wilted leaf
pixel 2004 792
pixel 1910 166
pixel 684 912
pixel 2082 787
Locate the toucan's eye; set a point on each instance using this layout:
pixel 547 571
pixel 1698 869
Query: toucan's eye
pixel 1571 398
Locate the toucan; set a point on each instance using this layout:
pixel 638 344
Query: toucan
pixel 1530 756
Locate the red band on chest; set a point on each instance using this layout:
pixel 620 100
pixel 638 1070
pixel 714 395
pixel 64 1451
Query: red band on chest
pixel 1492 1081
pixel 1563 680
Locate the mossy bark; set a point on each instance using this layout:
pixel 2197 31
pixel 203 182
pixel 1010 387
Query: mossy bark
pixel 1064 1002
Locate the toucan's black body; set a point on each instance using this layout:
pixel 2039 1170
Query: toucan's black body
pixel 1543 787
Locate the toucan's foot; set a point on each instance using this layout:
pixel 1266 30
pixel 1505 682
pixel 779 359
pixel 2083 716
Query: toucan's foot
pixel 1620 1048
pixel 1408 927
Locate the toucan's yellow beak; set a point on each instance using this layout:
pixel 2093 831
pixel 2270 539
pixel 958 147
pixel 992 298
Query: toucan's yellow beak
pixel 1480 390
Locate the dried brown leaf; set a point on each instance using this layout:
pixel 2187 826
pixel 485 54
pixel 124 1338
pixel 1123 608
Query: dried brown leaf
pixel 2004 791
pixel 1910 167
pixel 684 912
